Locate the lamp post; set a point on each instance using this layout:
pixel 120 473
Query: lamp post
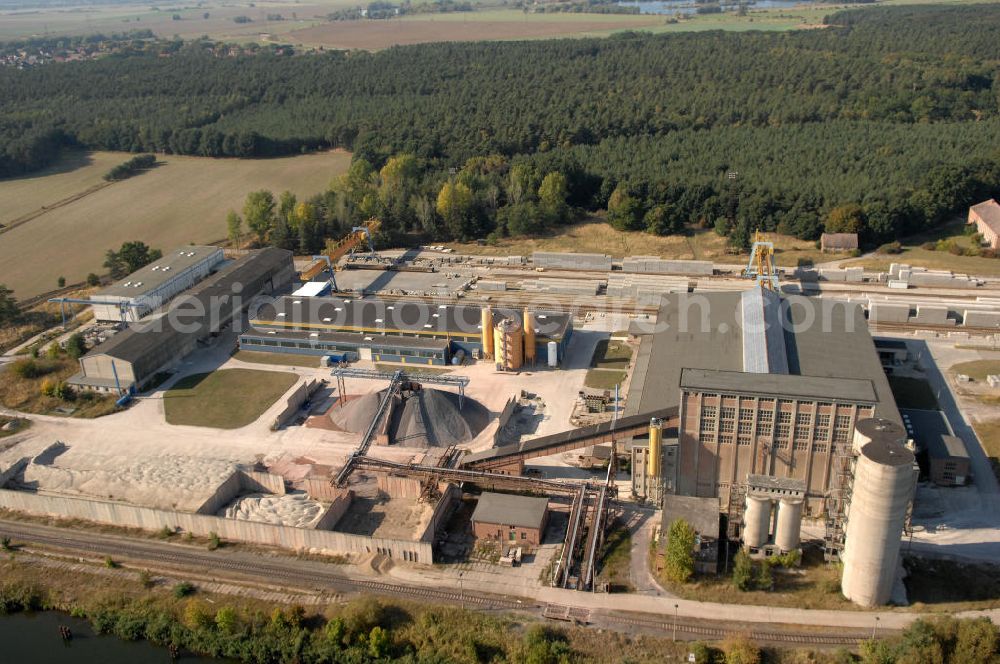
pixel 676 606
pixel 875 628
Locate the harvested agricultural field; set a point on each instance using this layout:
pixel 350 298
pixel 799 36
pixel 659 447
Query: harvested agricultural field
pixel 182 200
pixel 225 399
pixel 465 26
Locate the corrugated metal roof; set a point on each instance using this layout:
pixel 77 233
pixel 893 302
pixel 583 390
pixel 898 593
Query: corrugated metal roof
pixel 161 271
pixel 780 385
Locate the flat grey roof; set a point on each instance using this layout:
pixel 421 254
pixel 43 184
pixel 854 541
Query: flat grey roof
pixel 931 432
pixel 781 385
pixel 510 510
pixel 198 307
pixel 701 513
pixel 159 272
pixel 703 331
pixel 277 334
pixel 407 316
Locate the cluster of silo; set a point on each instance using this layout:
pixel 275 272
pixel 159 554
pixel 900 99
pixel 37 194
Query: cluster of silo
pixel 509 342
pixel 884 480
pixel 770 520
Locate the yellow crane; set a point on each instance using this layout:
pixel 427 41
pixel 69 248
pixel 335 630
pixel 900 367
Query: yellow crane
pixel 341 248
pixel 761 263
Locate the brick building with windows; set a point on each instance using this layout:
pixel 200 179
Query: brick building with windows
pixel 765 385
pixel 510 519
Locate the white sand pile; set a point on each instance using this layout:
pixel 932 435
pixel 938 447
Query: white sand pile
pixel 427 418
pixel 292 509
pixel 166 481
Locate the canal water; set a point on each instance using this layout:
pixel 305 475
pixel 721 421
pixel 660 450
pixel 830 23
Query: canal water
pixel 33 638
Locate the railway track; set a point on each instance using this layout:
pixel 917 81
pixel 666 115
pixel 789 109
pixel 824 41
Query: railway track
pixel 706 631
pixel 317 578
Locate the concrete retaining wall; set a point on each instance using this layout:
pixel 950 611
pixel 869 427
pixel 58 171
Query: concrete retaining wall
pixel 132 516
pixel 338 507
pixel 398 487
pixel 294 402
pixel 254 481
pixel 319 488
pixel 223 495
pixel 504 420
pixel 450 495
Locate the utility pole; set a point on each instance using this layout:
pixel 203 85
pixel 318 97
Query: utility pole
pixel 676 607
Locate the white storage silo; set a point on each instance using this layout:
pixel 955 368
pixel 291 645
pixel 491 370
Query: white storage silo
pixel 553 350
pixel 787 534
pixel 756 522
pixel 884 480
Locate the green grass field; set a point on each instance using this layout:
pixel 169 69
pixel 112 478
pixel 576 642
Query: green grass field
pixel 183 200
pixel 978 369
pixel 611 355
pixel 915 254
pixel 226 399
pixel 277 359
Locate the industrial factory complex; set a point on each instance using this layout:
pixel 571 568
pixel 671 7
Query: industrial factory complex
pixel 433 409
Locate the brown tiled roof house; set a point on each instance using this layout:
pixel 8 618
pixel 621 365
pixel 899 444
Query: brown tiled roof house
pixel 838 241
pixel 986 217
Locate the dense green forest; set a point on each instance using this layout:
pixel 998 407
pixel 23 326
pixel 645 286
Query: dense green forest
pixel 893 109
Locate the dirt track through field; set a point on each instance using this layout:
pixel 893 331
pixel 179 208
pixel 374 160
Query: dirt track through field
pixel 376 35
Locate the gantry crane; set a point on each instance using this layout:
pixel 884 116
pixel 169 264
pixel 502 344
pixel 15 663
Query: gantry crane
pixel 341 248
pixel 761 263
pixel 122 305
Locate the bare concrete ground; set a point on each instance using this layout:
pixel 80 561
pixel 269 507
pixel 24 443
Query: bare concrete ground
pixel 378 515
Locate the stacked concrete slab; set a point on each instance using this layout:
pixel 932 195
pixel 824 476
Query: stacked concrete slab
pixel 921 276
pixel 973 318
pixel 491 285
pixel 849 274
pixel 563 286
pixel 645 287
pixel 931 316
pixel 657 265
pixel 882 312
pixel 569 261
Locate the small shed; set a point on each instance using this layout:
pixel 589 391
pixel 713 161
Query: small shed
pixel 948 462
pixel 702 514
pixel 510 519
pixel 838 242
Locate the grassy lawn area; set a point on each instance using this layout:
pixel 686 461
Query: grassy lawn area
pixel 912 393
pixel 615 559
pixel 988 432
pixel 978 369
pixel 225 399
pixel 604 379
pixel 915 254
pixel 279 359
pixel 611 355
pixel 814 585
pixel 25 393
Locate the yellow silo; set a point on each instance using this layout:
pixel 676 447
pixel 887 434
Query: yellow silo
pixel 655 446
pixel 508 345
pixel 529 338
pixel 487 332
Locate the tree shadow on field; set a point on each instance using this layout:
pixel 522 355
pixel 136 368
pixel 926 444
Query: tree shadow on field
pixel 67 162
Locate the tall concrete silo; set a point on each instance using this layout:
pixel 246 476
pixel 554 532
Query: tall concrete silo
pixel 787 534
pixel 756 522
pixel 884 481
pixel 529 337
pixel 865 431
